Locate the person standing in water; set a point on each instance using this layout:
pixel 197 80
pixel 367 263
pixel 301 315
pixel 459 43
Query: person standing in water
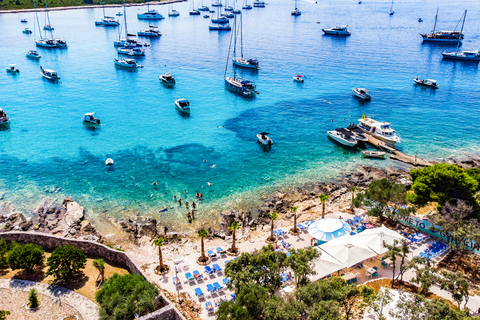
pixel 180 202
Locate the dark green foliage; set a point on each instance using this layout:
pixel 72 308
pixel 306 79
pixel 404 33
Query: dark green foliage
pixel 65 262
pixel 4 314
pixel 33 298
pixel 325 310
pixel 283 309
pixel 475 174
pixel 3 254
pixel 301 263
pixel 122 296
pixel 25 256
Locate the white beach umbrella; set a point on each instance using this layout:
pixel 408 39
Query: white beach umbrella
pixel 325 265
pixel 328 229
pixel 374 238
pixel 347 250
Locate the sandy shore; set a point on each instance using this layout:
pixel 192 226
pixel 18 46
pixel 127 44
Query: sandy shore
pixel 92 6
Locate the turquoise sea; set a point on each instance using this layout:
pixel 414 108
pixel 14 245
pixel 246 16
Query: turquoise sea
pixel 48 152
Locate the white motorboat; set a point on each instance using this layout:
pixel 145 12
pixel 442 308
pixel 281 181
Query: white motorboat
pixel 107 22
pixel 167 79
pixel 427 82
pixel 264 139
pixel 109 162
pixel 379 130
pixel 135 52
pixel 3 118
pixel 338 31
pixel 362 93
pixel 343 137
pixel 374 154
pixel 358 133
pixel 49 74
pixel 89 118
pixel 149 14
pixel 259 4
pixel 27 31
pixel 152 31
pixel 299 78
pixel 33 54
pixel 12 69
pixel 130 64
pixel 465 55
pixel 182 105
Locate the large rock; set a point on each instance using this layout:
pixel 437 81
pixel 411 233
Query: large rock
pixel 74 215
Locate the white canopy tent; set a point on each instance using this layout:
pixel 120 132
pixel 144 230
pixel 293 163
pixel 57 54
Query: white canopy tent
pixel 374 238
pixel 327 229
pixel 347 250
pixel 325 265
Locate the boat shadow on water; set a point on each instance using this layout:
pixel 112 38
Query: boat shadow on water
pixel 184 115
pixel 91 127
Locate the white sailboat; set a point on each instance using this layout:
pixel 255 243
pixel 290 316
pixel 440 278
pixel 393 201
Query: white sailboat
pixel 296 12
pixel 247 6
pixel 48 26
pixel 464 55
pixel 150 14
pixel 194 12
pixel 172 12
pixel 107 21
pixel 203 8
pixel 242 61
pixel 44 42
pixel 391 12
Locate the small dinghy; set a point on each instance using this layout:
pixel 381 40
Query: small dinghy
pixel 264 139
pixel 90 119
pixel 427 82
pixel 109 162
pixel 374 154
pixel 12 69
pixel 299 78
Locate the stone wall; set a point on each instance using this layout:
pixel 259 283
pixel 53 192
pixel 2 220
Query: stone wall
pixel 50 242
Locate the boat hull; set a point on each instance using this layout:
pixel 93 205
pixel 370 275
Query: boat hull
pixel 266 142
pixel 244 65
pixel 425 84
pixel 374 154
pixel 220 28
pixel 336 33
pixel 453 56
pixel 232 85
pixel 331 135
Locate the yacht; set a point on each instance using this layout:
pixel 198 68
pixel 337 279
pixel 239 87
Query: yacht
pixel 150 14
pixel 108 22
pixel 374 154
pixel 362 93
pixel 27 31
pixel 173 13
pixel 3 118
pixel 379 130
pixel 239 85
pixel 246 63
pixel 89 118
pixel 465 55
pixel 46 43
pixel 343 137
pixel 204 8
pixel 358 133
pixel 339 31
pixel 299 78
pixel 427 82
pixel 296 12
pixel 130 41
pixel 130 64
pixel 220 27
pixel 12 69
pixel 443 36
pixel 136 52
pixel 167 79
pixel 49 74
pixel 264 139
pixel 182 105
pixel 152 31
pixel 259 4
pixel 33 54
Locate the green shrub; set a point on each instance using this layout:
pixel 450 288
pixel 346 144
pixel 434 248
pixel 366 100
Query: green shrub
pixel 25 256
pixel 65 262
pixel 33 299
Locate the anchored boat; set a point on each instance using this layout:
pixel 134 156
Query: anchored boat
pixel 427 82
pixel 264 139
pixel 442 36
pixel 3 118
pixel 182 105
pixel 90 119
pixel 362 94
pixel 167 79
pixel 343 137
pixel 337 31
pixel 379 130
pixel 49 74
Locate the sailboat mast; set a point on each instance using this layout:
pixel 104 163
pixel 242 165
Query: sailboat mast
pixel 125 18
pixel 103 8
pixel 38 22
pixel 235 41
pixel 391 6
pixel 230 46
pixel 435 25
pixel 241 36
pixel 461 31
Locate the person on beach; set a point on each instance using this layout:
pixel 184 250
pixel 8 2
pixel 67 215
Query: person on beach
pixel 179 202
pixel 189 217
pixel 194 205
pixel 186 204
pixel 193 214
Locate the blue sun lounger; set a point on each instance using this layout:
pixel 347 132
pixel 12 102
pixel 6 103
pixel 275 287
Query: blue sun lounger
pixel 197 275
pixel 217 286
pixel 208 270
pixel 216 267
pixel 211 254
pixel 210 288
pixel 226 281
pixel 189 276
pixel 301 227
pixel 198 292
pixel 357 219
pixel 221 251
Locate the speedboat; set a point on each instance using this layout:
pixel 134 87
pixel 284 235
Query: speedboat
pixel 338 31
pixel 27 31
pixel 466 55
pixel 299 78
pixel 220 27
pixel 167 79
pixel 3 118
pixel 150 15
pixel 379 130
pixel 246 63
pixel 296 12
pixel 204 8
pixel 264 139
pixel 173 13
pixel 343 137
pixel 259 4
pixel 24 21
pixel 48 27
pixel 358 133
pixel 109 162
pixel 374 154
pixel 427 82
pixel 362 93
pixel 11 69
pixel 130 64
pixel 239 85
pixel 89 118
pixel 152 31
pixel 182 105
pixel 108 22
pixel 33 54
pixel 60 43
pixel 136 52
pixel 49 74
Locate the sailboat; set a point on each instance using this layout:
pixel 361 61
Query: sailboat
pixel 296 12
pixel 194 12
pixel 236 84
pixel 106 21
pixel 219 23
pixel 150 14
pixel 391 12
pixel 442 36
pixel 203 8
pixel 241 61
pixel 173 12
pixel 48 25
pixel 246 6
pixel 217 3
pixel 131 40
pixel 44 42
pixel 464 55
pixel 227 7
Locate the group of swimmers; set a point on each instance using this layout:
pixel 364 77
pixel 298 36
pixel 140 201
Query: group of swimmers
pixel 190 214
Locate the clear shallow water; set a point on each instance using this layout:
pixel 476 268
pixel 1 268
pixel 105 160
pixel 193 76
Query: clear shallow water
pixel 47 147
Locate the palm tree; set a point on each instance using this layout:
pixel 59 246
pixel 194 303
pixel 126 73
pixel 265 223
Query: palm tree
pixel 159 242
pixel 323 198
pixel 100 265
pixel 202 233
pixel 294 210
pixel 353 197
pixel 235 226
pixel 273 216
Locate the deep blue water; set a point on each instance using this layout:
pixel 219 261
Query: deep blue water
pixel 47 147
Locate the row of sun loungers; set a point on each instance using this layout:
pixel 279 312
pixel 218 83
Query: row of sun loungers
pixel 215 253
pixel 434 250
pixel 211 288
pixel 304 227
pixel 196 276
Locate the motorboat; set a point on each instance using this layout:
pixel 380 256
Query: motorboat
pixel 379 130
pixel 135 52
pixel 107 22
pixel 27 31
pixel 204 8
pixel 220 20
pixel 194 12
pixel 443 36
pixel 24 21
pixel 49 74
pixel 296 12
pixel 264 139
pixel 173 13
pixel 182 105
pixel 12 69
pixel 358 133
pixel 427 82
pixel 3 118
pixel 246 63
pixel 152 31
pixel 465 55
pixel 90 119
pixel 60 43
pixel 420 20
pixel 338 31
pixel 130 64
pixel 206 16
pixel 343 137
pixel 167 79
pixel 362 93
pixel 236 11
pixel 239 85
pixel 33 54
pixel 299 78
pixel 259 4
pixel 150 15
pixel 109 162
pixel 374 154
pixel 220 27
pixel 48 27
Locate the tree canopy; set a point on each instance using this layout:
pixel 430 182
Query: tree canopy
pixel 65 262
pixel 25 256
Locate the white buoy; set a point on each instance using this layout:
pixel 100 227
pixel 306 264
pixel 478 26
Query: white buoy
pixel 109 162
